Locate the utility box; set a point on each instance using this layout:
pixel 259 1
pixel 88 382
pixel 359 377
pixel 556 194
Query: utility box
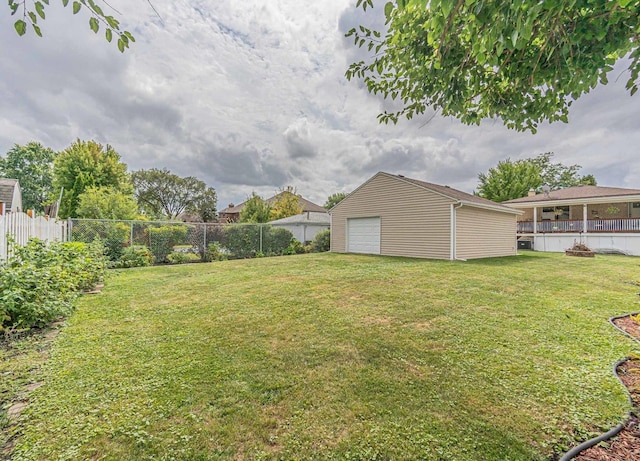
pixel 524 244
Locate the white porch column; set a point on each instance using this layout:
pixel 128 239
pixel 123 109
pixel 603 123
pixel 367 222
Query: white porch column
pixel 535 220
pixel 584 218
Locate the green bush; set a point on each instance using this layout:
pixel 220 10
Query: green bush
pixel 179 257
pixel 294 248
pixel 40 281
pixel 135 256
pixel 276 240
pixel 243 241
pixel 214 253
pixel 162 240
pixel 321 242
pixel 114 236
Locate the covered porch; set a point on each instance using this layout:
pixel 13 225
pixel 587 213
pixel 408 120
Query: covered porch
pixel 582 218
pixel 606 219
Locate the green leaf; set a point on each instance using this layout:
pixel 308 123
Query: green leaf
pixel 108 35
pixel 20 26
pixel 40 9
pixel 33 17
pixel 121 45
pixel 65 2
pixel 93 23
pixel 76 7
pixel 388 9
pixel 37 30
pixel 633 90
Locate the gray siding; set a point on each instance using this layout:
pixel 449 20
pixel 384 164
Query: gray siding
pixel 414 222
pixel 484 233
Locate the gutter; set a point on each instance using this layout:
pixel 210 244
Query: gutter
pixel 501 208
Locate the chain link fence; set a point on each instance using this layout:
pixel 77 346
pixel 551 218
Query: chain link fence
pixel 171 241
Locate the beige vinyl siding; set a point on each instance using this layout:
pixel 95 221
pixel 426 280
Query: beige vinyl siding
pixel 414 222
pixel 484 233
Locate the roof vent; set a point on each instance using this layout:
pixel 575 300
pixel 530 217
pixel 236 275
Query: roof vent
pixel 447 187
pixel 231 205
pixel 400 176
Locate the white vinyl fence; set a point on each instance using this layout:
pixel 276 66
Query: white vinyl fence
pixel 21 227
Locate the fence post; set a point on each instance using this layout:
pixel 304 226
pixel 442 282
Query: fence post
pixel 131 234
pixel 69 230
pixel 260 238
pixel 204 238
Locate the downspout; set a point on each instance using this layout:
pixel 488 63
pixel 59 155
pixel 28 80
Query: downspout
pixel 454 207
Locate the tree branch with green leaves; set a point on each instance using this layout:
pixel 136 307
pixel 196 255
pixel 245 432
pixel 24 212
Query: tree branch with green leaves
pixel 523 61
pixel 32 12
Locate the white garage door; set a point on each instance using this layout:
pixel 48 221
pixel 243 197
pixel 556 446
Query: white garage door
pixel 363 235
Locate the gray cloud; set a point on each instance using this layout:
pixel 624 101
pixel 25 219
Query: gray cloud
pixel 298 140
pixel 252 96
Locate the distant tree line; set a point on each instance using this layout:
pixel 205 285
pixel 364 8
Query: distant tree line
pixel 90 181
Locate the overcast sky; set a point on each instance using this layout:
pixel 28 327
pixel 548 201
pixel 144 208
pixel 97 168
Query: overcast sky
pixel 251 96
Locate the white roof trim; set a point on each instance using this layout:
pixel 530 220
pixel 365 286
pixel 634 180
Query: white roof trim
pixel 490 207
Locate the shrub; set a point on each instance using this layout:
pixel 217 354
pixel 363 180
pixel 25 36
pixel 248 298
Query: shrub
pixel 41 281
pixel 114 236
pixel 179 257
pixel 243 241
pixel 321 242
pixel 276 241
pixel 162 240
pixel 214 253
pixel 135 256
pixel 294 248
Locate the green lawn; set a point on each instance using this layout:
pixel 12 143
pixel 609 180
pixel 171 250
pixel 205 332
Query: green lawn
pixel 338 357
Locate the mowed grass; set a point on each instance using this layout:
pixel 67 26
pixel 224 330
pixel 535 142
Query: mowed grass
pixel 338 357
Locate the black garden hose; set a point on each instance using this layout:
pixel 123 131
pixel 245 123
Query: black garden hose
pixel 575 451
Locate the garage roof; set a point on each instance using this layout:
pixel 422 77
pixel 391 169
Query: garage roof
pixel 449 192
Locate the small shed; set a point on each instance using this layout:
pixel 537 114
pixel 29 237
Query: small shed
pixel 10 196
pixel 398 216
pixel 305 226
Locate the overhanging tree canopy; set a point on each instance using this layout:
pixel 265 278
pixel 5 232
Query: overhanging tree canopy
pixel 32 12
pixel 524 61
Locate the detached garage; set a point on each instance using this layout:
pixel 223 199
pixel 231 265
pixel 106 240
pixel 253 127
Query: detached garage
pixel 397 216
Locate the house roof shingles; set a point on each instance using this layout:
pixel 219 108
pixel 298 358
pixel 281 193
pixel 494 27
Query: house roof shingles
pixel 307 217
pixel 456 194
pixel 576 193
pixel 306 205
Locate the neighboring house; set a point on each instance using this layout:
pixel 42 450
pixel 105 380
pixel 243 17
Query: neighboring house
pixel 397 216
pixel 607 219
pixel 305 226
pixel 10 196
pixel 232 212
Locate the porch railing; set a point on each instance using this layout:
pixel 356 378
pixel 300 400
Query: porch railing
pixel 593 225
